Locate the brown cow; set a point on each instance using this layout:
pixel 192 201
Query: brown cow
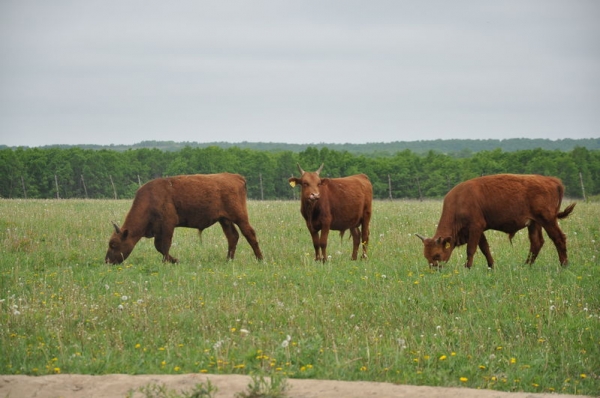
pixel 193 201
pixel 503 202
pixel 338 204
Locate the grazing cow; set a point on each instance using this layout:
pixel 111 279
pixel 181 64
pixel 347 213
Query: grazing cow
pixel 503 202
pixel 193 201
pixel 338 204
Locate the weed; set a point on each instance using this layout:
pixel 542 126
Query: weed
pixel 201 390
pixel 261 387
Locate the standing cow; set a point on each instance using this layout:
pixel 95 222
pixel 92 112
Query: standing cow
pixel 503 202
pixel 193 201
pixel 338 204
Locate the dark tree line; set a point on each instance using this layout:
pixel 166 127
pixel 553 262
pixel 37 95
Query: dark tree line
pixel 99 174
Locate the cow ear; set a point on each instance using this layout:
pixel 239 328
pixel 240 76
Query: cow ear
pixel 124 234
pixel 324 181
pixel 294 181
pixel 447 242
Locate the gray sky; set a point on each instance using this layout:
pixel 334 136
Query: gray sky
pixel 121 72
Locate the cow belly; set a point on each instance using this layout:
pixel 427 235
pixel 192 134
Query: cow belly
pixel 510 227
pixel 340 225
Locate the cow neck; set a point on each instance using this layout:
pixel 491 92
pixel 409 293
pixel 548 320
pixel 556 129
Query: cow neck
pixel 136 223
pixel 447 227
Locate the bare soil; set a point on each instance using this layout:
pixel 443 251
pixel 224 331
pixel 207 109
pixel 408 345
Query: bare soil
pixel 119 385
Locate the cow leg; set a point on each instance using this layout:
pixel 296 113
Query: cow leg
pixel 365 233
pixel 560 241
pixel 485 249
pixel 323 243
pixel 162 243
pixel 232 236
pixel 250 236
pixel 316 244
pixel 536 241
pixel 355 241
pixel 472 243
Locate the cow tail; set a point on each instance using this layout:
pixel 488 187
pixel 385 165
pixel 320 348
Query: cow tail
pixel 566 211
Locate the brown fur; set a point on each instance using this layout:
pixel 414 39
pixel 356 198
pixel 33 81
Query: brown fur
pixel 193 201
pixel 335 204
pixel 503 202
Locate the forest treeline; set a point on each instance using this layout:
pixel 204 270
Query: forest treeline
pixel 100 174
pixel 453 147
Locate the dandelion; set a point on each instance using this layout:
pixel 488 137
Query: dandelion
pixel 120 307
pixel 244 332
pixel 513 360
pixel 443 358
pixel 464 379
pixel 583 375
pixel 363 368
pixel 124 298
pixel 176 368
pixel 482 367
pixel 138 345
pixel 57 370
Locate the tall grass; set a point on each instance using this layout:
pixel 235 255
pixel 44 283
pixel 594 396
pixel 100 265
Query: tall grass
pixel 389 318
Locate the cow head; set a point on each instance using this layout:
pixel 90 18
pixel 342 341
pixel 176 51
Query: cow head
pixel 120 246
pixel 310 184
pixel 436 250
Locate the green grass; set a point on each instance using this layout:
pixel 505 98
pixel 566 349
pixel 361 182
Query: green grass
pixel 389 318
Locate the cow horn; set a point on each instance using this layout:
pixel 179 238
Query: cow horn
pixel 300 168
pixel 420 237
pixel 320 168
pixel 117 229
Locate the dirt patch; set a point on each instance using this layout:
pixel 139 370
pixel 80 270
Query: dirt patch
pixel 118 385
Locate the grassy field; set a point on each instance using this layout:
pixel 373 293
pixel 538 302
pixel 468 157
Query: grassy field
pixel 389 318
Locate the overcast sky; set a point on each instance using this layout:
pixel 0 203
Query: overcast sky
pixel 121 72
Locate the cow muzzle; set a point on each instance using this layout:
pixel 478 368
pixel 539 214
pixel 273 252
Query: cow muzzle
pixel 314 196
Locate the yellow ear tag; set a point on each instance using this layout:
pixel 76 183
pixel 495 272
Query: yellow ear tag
pixel 292 184
pixel 447 246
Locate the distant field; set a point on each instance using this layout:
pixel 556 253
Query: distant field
pixel 389 318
